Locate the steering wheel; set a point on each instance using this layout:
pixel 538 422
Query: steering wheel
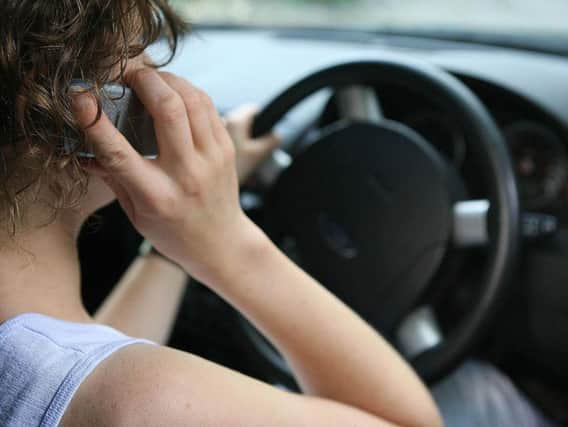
pixel 370 208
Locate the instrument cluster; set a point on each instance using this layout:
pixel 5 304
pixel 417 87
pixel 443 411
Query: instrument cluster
pixel 540 161
pixel 539 155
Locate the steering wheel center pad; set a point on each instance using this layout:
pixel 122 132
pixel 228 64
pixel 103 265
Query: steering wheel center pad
pixel 368 207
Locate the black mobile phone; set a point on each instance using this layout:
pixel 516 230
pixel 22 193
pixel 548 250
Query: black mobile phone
pixel 128 114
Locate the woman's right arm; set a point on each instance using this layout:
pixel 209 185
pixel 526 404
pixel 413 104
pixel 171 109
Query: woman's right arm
pixel 186 203
pixel 334 354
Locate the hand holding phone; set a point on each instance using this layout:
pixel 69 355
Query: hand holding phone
pixel 187 202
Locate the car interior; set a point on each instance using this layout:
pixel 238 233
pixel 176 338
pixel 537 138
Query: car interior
pixel 423 178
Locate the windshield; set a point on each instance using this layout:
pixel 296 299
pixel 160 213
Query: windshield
pixel 512 18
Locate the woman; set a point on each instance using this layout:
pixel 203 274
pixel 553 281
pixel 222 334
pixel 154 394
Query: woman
pixel 58 366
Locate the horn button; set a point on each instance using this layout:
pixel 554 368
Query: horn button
pixel 368 207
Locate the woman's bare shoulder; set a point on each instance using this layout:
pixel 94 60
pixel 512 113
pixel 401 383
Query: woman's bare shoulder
pixel 145 385
pixel 115 392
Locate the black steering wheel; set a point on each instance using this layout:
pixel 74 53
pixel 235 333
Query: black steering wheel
pixel 369 208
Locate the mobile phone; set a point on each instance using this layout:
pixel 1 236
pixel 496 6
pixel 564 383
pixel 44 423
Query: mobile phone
pixel 128 114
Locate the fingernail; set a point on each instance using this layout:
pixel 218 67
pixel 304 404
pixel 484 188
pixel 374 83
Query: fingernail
pixel 82 102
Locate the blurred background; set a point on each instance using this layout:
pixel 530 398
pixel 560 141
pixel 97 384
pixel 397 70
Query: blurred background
pixel 502 16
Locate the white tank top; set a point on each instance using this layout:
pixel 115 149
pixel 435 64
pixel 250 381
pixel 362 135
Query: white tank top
pixel 43 361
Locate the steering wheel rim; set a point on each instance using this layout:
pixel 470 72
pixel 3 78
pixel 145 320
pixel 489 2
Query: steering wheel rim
pixel 496 170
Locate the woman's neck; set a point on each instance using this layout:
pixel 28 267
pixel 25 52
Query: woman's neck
pixel 40 273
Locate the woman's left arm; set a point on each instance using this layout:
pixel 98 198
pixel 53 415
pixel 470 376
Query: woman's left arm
pixel 145 302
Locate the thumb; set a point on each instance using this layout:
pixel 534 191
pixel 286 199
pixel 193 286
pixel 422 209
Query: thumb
pixel 267 143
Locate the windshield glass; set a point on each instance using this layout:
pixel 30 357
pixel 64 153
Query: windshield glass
pixel 527 18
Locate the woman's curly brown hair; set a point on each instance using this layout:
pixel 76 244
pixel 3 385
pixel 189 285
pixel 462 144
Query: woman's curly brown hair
pixel 44 46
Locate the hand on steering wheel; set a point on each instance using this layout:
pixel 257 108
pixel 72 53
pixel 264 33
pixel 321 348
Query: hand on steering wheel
pixel 250 151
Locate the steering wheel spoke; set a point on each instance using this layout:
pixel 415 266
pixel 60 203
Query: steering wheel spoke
pixel 359 103
pixel 470 223
pixel 418 333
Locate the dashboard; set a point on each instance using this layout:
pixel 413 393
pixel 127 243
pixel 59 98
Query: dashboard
pixel 526 93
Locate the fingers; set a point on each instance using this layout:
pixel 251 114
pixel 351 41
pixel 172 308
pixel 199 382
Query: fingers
pixel 167 108
pixel 269 143
pixel 113 152
pixel 190 98
pixel 218 124
pixel 259 149
pixel 240 120
pixel 203 118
